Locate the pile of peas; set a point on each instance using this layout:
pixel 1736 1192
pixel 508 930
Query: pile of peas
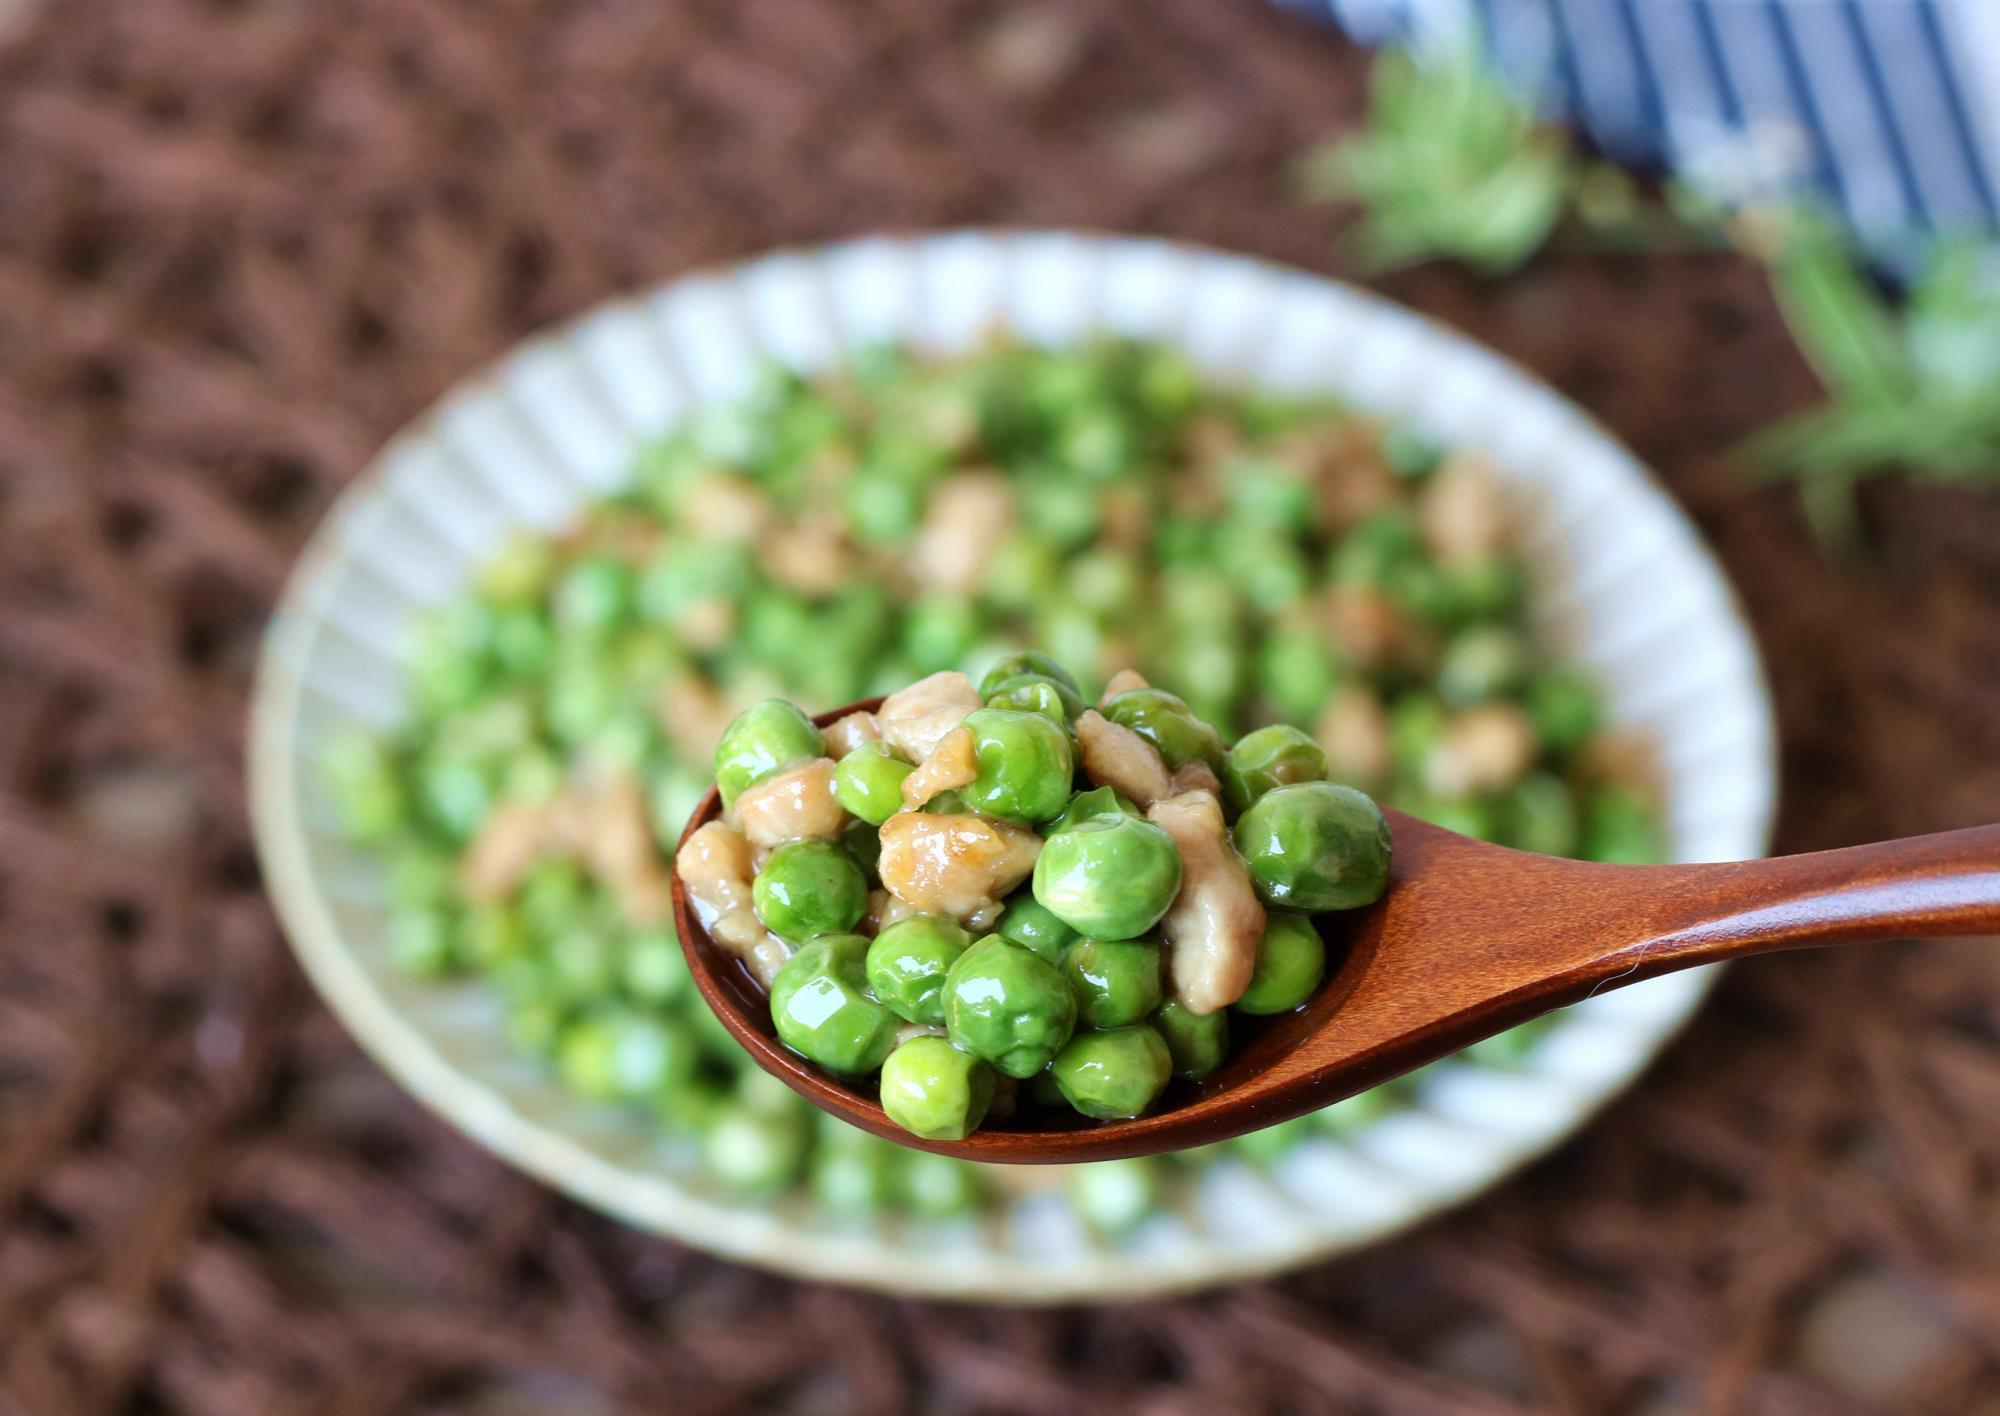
pixel 785 545
pixel 1069 990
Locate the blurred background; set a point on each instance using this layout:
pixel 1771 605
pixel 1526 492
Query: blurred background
pixel 242 242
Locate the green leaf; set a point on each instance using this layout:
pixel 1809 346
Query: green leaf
pixel 1841 326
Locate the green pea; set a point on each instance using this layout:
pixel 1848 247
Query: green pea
pixel 934 1090
pixel 582 963
pixel 1296 668
pixel 594 596
pixel 520 572
pixel 907 964
pixel 1197 1042
pixel 938 1187
pixel 1378 545
pixel 1346 1117
pixel 420 942
pixel 1165 720
pixel 869 781
pixel 491 935
pixel 764 738
pixel 1484 589
pixel 654 968
pixel 1291 959
pixel 1117 981
pixel 1115 1196
pixel 1566 709
pixel 1540 815
pixel 623 1055
pixel 753 1153
pixel 455 796
pixel 1480 664
pixel 1409 454
pixel 533 1025
pixel 1620 827
pixel 1315 846
pixel 1110 876
pixel 1270 1144
pixel 820 1004
pixel 1032 664
pixel 366 788
pixel 1276 756
pixel 1115 1074
pixel 1098 801
pixel 1028 694
pixel 1007 1006
pixel 1028 923
pixel 855 1180
pixel 1025 766
pixel 809 888
pixel 863 844
pixel 939 631
pixel 419 875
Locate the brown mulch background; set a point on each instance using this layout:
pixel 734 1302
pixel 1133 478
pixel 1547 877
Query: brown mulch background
pixel 241 240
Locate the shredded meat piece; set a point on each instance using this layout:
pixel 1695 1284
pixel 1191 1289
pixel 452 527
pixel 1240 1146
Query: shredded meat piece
pixel 1625 758
pixel 692 715
pixel 1365 624
pixel 811 557
pixel 1195 777
pixel 707 623
pixel 726 508
pixel 1464 513
pixel 1114 756
pixel 793 805
pixel 958 865
pixel 617 845
pixel 846 734
pixel 514 837
pixel 967 517
pixel 1215 924
pixel 715 868
pixel 1483 749
pixel 1355 733
pixel 602 822
pixel 916 719
pixel 951 764
pixel 1123 681
pixel 884 909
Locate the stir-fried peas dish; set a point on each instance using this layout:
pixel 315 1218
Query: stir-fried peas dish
pixel 1101 830
pixel 1264 559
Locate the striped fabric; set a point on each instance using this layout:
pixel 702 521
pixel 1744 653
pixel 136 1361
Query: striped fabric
pixel 1888 110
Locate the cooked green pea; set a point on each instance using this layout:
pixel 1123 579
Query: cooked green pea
pixel 1116 1196
pixel 807 888
pixel 367 790
pixel 820 1004
pixel 869 781
pixel 1565 705
pixel 1197 1042
pixel 907 964
pixel 1540 815
pixel 1115 1074
pixel 863 844
pixel 1025 766
pixel 1098 801
pixel 1290 961
pixel 934 1090
pixel 420 942
pixel 1007 1006
pixel 621 1054
pixel 654 968
pixel 856 1179
pixel 1276 756
pixel 755 1153
pixel 936 1186
pixel 1117 981
pixel 1165 720
pixel 1316 846
pixel 594 596
pixel 1482 663
pixel 1028 923
pixel 1033 664
pixel 1031 694
pixel 764 738
pixel 1111 876
pixel 1621 827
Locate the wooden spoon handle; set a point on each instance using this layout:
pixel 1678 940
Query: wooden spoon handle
pixel 1921 887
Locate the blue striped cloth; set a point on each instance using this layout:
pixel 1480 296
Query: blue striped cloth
pixel 1888 110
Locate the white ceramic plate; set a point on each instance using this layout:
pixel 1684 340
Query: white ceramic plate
pixel 1626 586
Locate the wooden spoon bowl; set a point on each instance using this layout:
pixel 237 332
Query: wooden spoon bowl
pixel 1469 940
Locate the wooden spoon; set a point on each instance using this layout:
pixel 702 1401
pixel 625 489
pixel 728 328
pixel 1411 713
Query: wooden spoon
pixel 1469 940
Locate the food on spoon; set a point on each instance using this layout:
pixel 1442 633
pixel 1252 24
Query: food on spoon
pixel 1108 973
pixel 1264 557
